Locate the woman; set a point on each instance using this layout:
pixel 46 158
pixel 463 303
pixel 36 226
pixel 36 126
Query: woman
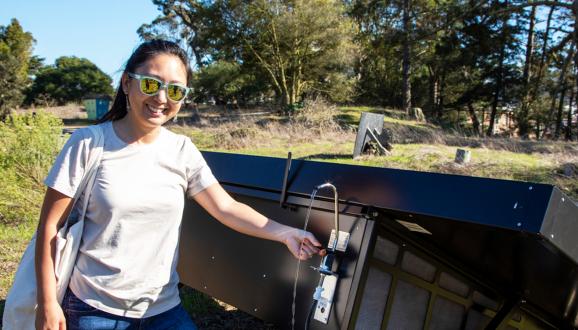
pixel 125 275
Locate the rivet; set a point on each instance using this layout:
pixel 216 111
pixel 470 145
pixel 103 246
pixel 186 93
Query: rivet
pixel 212 257
pixel 264 275
pixel 411 216
pixel 530 188
pixel 255 310
pixel 204 287
pixel 562 199
pixel 516 205
pixel 519 224
pixel 552 236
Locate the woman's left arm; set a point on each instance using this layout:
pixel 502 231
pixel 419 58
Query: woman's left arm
pixel 246 220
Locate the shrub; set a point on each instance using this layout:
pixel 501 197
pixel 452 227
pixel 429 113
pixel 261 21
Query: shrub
pixel 317 114
pixel 30 142
pixel 229 136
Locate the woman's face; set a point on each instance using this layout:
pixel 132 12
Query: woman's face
pixel 153 111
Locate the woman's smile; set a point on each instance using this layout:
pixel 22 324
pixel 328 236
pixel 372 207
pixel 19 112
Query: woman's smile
pixel 156 111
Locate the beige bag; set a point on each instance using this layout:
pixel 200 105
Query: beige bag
pixel 20 307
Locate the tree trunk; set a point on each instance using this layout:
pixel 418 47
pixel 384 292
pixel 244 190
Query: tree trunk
pixel 568 136
pixel 500 76
pixel 483 118
pixel 529 48
pixel 406 61
pixel 560 111
pixel 544 49
pixel 575 12
pixel 286 98
pixel 562 89
pixel 548 122
pixel 433 91
pixel 441 92
pixel 475 121
pixel 523 114
pixel 533 90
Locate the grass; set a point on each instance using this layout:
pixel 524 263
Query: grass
pixel 417 146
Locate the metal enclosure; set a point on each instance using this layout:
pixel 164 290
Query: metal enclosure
pixel 427 251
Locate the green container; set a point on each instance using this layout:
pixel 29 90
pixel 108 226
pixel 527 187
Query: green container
pixel 96 107
pixel 90 107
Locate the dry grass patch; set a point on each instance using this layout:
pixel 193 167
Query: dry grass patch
pixel 312 125
pixel 68 111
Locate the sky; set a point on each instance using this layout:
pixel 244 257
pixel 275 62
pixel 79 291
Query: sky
pixel 102 31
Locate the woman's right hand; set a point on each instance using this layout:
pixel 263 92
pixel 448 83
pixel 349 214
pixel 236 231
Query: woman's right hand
pixel 50 317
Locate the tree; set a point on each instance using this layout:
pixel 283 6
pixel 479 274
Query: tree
pixel 69 80
pixel 15 58
pixel 198 23
pixel 406 61
pixel 499 85
pixel 299 46
pixel 226 81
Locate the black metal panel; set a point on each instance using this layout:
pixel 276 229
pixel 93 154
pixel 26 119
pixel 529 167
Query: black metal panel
pixel 257 276
pixel 495 230
pixel 499 203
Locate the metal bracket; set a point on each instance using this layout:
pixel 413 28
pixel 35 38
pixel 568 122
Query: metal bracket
pixel 505 313
pixel 285 178
pixel 370 213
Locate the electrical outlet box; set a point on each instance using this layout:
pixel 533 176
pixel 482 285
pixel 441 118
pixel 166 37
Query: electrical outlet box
pixel 341 242
pixel 324 304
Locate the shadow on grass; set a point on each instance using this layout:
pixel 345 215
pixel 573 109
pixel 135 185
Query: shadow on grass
pixel 209 314
pixel 2 303
pixel 347 119
pixel 513 145
pixel 78 122
pixel 326 156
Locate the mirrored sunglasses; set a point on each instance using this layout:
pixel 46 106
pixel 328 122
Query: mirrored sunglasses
pixel 151 86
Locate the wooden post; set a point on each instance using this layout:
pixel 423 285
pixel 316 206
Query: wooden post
pixel 463 156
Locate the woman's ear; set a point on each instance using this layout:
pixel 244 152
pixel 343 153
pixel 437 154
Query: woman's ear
pixel 124 83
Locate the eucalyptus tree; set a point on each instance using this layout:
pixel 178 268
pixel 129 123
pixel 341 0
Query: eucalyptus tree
pixel 389 42
pixel 551 44
pixel 300 46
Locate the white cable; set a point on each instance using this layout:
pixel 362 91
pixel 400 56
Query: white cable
pixel 299 260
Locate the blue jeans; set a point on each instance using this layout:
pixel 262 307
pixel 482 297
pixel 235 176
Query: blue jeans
pixel 80 315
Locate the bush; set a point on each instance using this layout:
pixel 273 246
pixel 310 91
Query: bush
pixel 231 137
pixel 30 143
pixel 317 114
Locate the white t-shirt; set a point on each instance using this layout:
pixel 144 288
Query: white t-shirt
pixel 127 260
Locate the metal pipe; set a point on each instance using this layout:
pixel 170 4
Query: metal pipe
pixel 335 195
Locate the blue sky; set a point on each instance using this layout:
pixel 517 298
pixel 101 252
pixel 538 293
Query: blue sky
pixel 102 31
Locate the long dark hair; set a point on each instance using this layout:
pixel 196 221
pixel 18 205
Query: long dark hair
pixel 143 53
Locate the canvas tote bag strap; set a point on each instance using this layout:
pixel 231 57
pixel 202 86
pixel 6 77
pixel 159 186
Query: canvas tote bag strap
pixel 69 237
pixel 94 157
